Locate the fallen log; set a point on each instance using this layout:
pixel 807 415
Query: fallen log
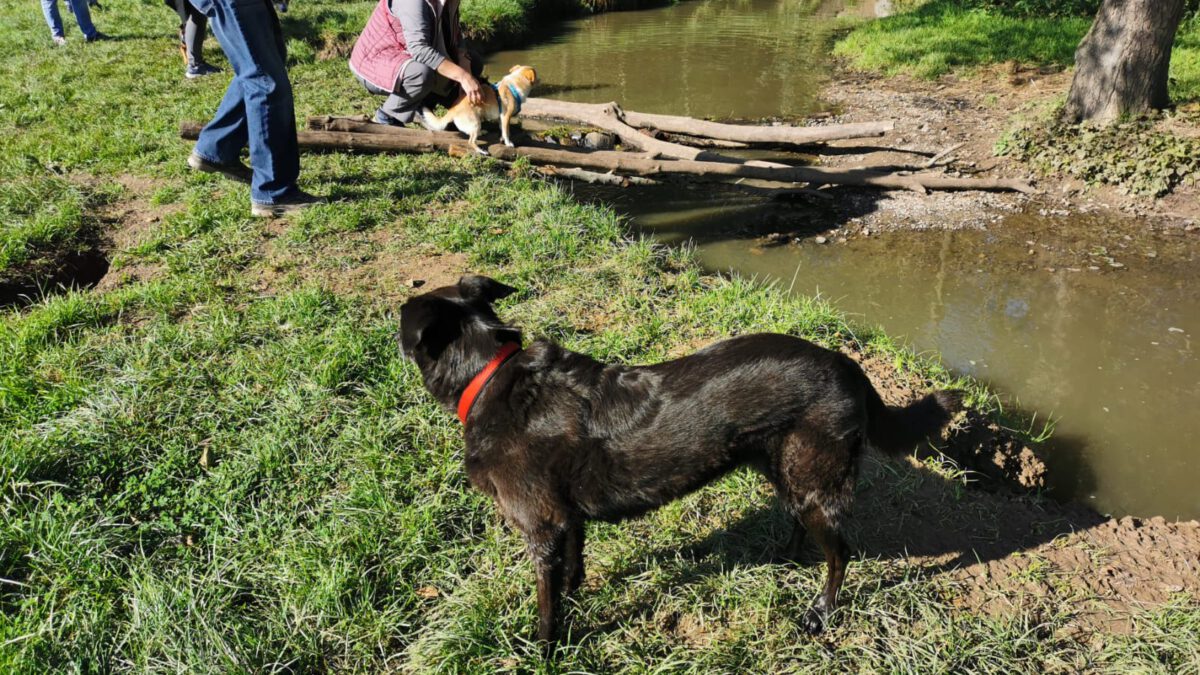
pixel 741 133
pixel 420 141
pixel 594 177
pixel 610 117
pixel 661 148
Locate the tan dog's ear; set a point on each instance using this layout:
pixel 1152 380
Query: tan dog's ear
pixel 530 74
pixel 515 69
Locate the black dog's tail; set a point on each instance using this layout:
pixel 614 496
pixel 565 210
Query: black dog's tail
pixel 897 431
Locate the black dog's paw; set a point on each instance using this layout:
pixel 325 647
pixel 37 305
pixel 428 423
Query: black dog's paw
pixel 813 622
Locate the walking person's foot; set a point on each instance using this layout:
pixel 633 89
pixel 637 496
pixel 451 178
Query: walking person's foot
pixel 237 171
pixel 200 70
pixel 59 41
pixel 97 37
pixel 293 202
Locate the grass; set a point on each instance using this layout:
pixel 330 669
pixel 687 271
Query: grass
pixel 199 473
pixel 939 36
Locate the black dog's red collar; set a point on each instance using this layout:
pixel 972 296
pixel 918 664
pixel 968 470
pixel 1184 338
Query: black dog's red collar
pixel 480 381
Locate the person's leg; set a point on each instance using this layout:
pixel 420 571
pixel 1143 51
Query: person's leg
pixel 193 35
pixel 83 17
pixel 53 18
pixel 181 9
pixel 222 139
pixel 249 32
pixel 412 88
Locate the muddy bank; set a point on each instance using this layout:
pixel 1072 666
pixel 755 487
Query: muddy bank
pixel 972 114
pixel 1000 546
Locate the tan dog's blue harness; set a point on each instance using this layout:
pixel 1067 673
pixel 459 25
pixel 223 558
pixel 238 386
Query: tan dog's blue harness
pixel 516 97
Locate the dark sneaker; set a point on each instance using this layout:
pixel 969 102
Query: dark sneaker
pixel 200 70
pixel 97 37
pixel 384 118
pixel 294 202
pixel 239 172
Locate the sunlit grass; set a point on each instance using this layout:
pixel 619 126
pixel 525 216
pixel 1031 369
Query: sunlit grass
pixel 202 474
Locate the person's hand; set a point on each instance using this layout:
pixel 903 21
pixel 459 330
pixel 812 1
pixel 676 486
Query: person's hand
pixel 472 89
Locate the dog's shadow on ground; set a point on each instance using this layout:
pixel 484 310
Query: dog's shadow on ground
pixel 902 512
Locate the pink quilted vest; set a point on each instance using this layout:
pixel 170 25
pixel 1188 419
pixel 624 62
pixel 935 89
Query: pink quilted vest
pixel 380 53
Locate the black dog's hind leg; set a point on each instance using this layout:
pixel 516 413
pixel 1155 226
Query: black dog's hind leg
pixel 795 544
pixel 827 536
pixel 573 557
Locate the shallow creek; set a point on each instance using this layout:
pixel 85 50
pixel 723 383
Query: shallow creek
pixel 1087 319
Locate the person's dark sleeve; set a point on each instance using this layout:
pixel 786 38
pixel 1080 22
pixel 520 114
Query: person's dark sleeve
pixel 419 23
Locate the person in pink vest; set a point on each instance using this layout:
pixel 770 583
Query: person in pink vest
pixel 412 51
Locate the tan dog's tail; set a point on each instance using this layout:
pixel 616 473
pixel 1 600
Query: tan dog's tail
pixel 433 121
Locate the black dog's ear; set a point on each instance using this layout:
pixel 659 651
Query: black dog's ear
pixel 475 287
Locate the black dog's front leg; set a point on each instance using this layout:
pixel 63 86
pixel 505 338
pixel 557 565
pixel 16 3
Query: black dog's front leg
pixel 546 550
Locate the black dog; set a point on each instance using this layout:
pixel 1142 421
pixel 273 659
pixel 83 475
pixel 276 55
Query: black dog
pixel 557 438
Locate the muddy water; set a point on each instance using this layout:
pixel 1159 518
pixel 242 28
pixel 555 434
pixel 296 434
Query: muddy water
pixel 719 58
pixel 1089 320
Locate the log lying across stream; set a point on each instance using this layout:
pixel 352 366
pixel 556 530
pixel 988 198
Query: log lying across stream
pixel 657 158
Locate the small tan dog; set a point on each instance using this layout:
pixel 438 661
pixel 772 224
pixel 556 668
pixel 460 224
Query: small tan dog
pixel 501 101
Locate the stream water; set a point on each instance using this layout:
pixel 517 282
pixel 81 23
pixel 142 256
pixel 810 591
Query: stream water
pixel 1086 319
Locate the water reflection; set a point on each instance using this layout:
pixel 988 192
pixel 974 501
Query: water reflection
pixel 717 58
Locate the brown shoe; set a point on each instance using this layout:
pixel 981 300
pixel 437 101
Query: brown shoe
pixel 239 172
pixel 296 201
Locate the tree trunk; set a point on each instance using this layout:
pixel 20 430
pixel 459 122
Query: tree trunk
pixel 1121 65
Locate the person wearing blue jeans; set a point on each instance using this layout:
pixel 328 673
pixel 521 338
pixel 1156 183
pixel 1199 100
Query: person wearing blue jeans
pixel 257 109
pixel 83 17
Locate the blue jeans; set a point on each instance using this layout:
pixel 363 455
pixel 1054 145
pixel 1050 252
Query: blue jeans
pixel 83 17
pixel 257 109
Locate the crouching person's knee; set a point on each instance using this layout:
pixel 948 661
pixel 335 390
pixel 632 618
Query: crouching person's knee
pixel 417 81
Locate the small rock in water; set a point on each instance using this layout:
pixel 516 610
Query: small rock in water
pixel 1173 329
pixel 598 141
pixel 820 240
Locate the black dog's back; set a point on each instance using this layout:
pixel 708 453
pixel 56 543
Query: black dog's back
pixel 640 436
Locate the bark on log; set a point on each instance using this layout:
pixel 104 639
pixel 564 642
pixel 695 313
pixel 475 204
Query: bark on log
pixel 418 141
pixel 594 177
pixel 782 135
pixel 1122 63
pixel 610 117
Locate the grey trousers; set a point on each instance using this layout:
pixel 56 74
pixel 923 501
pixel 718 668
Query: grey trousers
pixel 419 86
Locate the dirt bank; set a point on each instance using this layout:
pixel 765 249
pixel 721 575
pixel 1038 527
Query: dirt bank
pixel 971 114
